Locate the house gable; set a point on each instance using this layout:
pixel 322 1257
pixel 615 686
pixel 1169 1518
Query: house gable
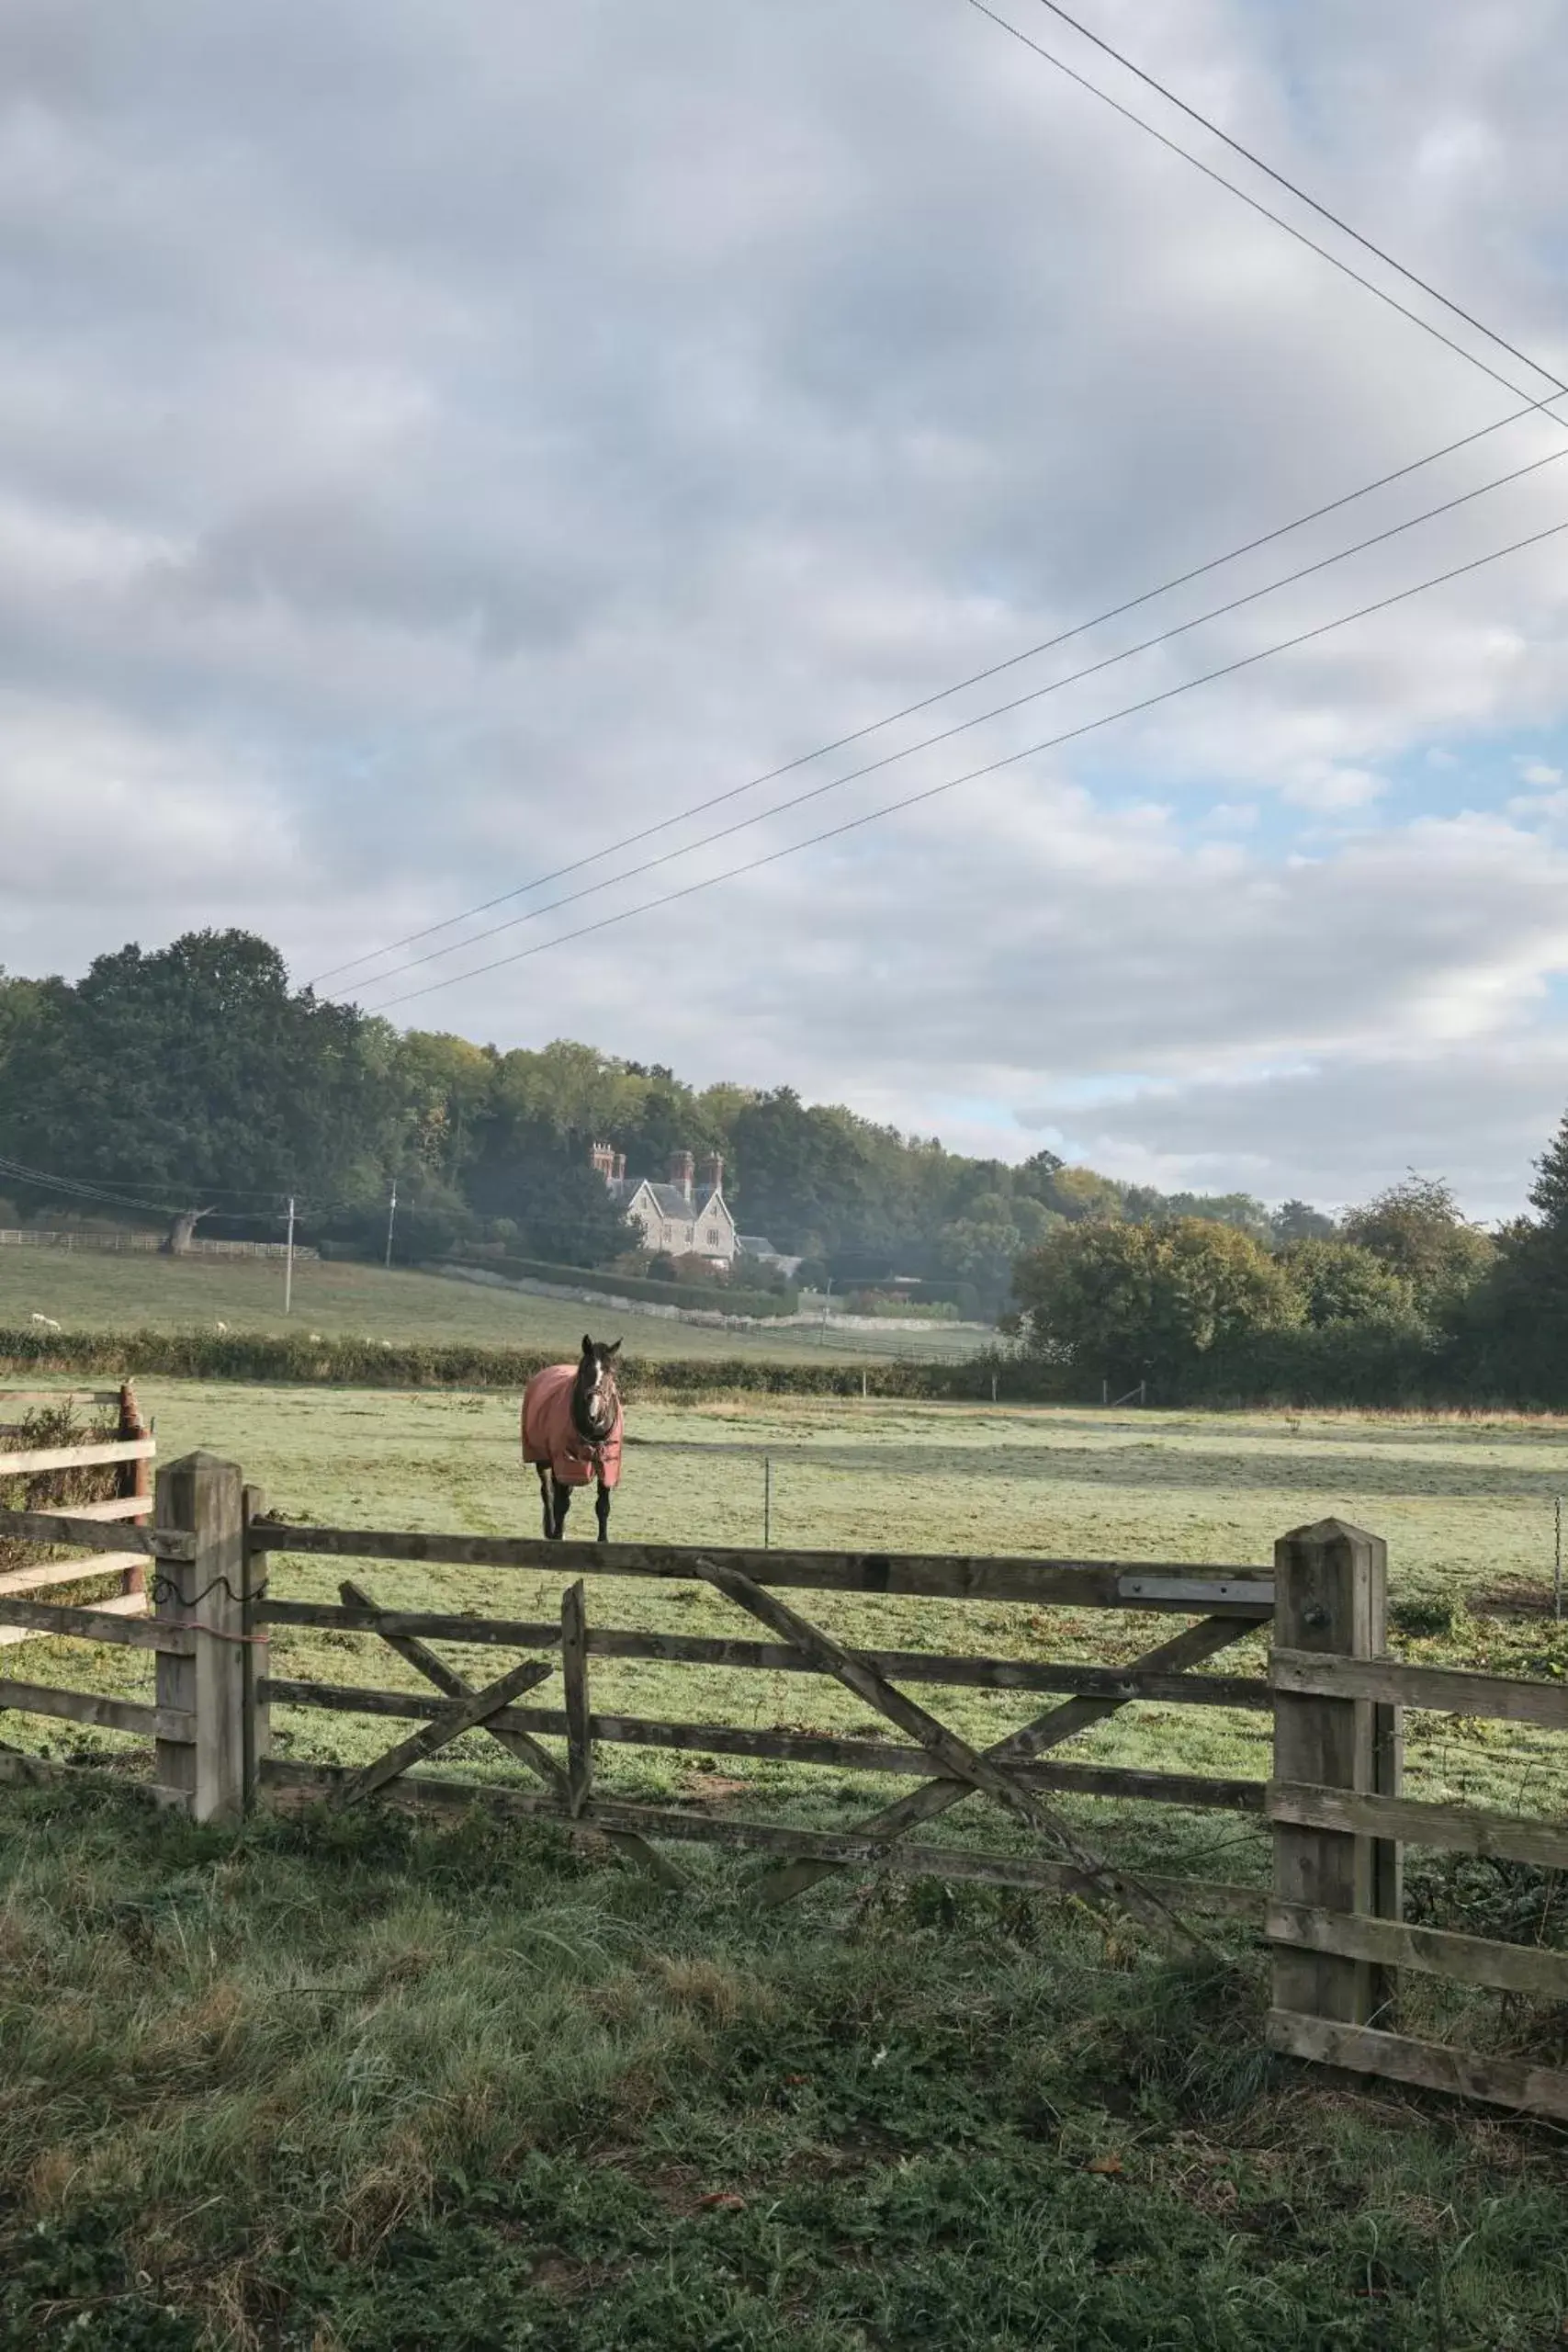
pixel 714 1228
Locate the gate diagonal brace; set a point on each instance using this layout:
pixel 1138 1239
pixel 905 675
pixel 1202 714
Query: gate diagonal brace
pixel 958 1759
pixel 520 1743
pixel 464 1714
pixel 1191 1648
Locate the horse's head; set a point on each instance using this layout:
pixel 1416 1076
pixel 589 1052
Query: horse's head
pixel 597 1393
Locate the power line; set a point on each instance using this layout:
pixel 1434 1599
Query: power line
pixel 1292 187
pixel 841 743
pixel 928 702
pixel 1255 204
pixel 121 1197
pixel 83 1189
pixel 78 1188
pixel 998 711
pixel 12 1166
pixel 991 767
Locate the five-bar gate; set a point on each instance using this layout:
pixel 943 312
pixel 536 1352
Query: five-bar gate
pixel 1335 1803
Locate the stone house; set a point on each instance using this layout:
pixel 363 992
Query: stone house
pixel 687 1217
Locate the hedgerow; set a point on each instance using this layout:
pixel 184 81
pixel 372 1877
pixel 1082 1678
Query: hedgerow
pixel 400 1363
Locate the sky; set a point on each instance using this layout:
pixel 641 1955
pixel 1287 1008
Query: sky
pixel 442 439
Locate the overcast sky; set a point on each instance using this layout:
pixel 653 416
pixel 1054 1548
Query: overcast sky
pixel 440 439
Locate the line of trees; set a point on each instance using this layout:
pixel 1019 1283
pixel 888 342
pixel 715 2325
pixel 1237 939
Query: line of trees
pixel 196 1075
pixel 1406 1301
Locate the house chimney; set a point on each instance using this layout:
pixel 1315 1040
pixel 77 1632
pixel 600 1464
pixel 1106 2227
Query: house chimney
pixel 602 1161
pixel 681 1167
pixel 713 1173
pixel 620 1168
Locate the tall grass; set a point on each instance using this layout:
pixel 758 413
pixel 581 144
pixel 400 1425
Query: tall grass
pixel 369 2088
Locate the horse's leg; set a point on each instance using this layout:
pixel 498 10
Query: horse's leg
pixel 603 1508
pixel 563 1504
pixel 547 1498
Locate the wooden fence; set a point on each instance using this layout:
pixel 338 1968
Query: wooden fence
pixel 1341 1822
pixel 1335 1804
pixel 126 1457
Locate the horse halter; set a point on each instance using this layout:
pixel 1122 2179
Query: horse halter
pixel 597 1411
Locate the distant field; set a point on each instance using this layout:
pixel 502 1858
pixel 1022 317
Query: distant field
pixel 1467 1510
pixel 96 1291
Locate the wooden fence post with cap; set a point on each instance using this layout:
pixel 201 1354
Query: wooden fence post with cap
pixel 204 1774
pixel 1331 1597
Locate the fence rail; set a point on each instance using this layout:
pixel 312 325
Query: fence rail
pixel 1244 1593
pixel 109 1543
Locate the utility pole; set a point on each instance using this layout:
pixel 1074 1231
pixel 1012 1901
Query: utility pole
pixel 392 1220
pixel 288 1263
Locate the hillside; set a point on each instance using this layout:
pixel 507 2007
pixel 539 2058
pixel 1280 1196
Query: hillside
pixel 99 1292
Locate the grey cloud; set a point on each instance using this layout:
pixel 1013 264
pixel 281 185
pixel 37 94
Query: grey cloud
pixel 431 434
pixel 1326 1130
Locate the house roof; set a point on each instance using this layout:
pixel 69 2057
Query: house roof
pixel 756 1245
pixel 668 1199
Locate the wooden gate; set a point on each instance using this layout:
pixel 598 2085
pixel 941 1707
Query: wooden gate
pixel 1227 1605
pixel 1339 1816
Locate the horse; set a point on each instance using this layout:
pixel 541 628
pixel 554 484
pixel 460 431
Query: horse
pixel 571 1432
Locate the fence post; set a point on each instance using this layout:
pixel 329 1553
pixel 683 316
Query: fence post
pixel 1331 1595
pixel 204 1773
pixel 136 1478
pixel 256 1657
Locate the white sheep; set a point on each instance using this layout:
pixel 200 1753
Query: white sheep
pixel 46 1322
pixel 221 1327
pixel 315 1334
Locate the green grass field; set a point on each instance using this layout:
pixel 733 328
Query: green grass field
pixel 96 1291
pixel 367 2087
pixel 1466 1508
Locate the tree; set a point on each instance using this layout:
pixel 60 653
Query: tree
pixel 1121 1302
pixel 1549 1193
pixel 1510 1331
pixel 448 1087
pixel 799 1172
pixel 21 1004
pixel 983 1248
pixel 1079 1192
pixel 1416 1228
pixel 1340 1282
pixel 1248 1216
pixel 538 1180
pixel 191 1076
pixel 1299 1221
pixel 576 1223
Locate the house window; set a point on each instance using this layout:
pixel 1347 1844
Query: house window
pixel 713 1236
